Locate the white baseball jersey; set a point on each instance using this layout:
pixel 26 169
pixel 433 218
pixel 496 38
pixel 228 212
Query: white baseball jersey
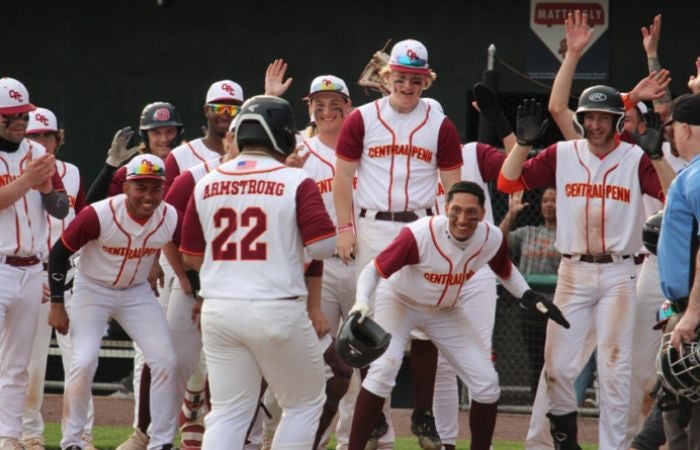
pixel 24 226
pixel 70 176
pixel 186 155
pixel 424 265
pixel 117 251
pixel 182 188
pixel 250 219
pixel 399 154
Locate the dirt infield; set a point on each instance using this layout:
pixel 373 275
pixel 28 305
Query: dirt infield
pixel 511 427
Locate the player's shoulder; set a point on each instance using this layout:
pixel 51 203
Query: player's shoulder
pixel 185 147
pixel 26 146
pixel 70 167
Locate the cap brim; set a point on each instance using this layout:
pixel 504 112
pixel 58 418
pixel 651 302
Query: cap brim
pixel 225 99
pixel 145 177
pixel 41 130
pixel 18 109
pixel 400 68
pixel 311 94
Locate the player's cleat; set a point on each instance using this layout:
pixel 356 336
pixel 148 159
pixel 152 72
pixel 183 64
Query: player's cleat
pixel 35 443
pixel 423 426
pixel 9 444
pixel 137 441
pixel 379 430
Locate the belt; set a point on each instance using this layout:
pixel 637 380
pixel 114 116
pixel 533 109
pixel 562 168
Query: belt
pixel 640 257
pixel 21 261
pixel 596 259
pixel 400 216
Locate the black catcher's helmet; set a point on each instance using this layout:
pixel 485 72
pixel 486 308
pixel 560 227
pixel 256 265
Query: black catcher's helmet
pixel 600 98
pixel 359 344
pixel 680 371
pixel 269 121
pixel 651 231
pixel 158 115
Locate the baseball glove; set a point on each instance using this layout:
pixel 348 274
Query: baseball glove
pixel 371 74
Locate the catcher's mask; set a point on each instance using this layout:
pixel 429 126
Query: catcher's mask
pixel 359 344
pixel 680 373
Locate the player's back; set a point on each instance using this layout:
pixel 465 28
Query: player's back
pixel 247 208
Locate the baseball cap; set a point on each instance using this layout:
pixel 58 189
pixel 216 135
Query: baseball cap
pixel 687 110
pixel 328 83
pixel 41 120
pixel 14 97
pixel 409 56
pixel 225 90
pixel 146 166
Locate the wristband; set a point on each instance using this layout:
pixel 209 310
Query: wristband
pixel 345 228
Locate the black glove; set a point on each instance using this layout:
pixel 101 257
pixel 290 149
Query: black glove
pixel 536 302
pixel 529 124
pixel 653 137
pixel 491 110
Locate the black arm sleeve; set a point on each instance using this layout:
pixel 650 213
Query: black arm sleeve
pixel 58 267
pixel 100 187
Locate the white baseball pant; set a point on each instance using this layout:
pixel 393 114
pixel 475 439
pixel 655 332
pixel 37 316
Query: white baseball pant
pixel 337 291
pixel 246 340
pixel 20 300
pixel 137 310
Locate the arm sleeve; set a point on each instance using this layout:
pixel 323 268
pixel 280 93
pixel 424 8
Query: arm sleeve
pixel 367 283
pixel 490 159
pixel 181 190
pixel 351 139
pixel 192 236
pixel 649 180
pixel 172 170
pixel 510 276
pixel 84 228
pixel 99 188
pixel 312 217
pixel 449 153
pixel 58 267
pixel 116 185
pixel 402 251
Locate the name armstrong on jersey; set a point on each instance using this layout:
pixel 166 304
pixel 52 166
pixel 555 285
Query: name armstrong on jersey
pixel 242 187
pixel 598 191
pixel 403 149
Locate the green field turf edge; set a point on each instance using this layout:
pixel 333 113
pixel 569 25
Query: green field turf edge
pixel 108 438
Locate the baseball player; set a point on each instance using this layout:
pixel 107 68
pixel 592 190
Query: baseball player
pixel 397 146
pixel 120 238
pixel 424 271
pixel 43 129
pixel 245 229
pixel 600 182
pixel 29 188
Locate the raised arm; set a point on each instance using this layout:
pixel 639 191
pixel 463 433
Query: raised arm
pixel 650 41
pixel 515 206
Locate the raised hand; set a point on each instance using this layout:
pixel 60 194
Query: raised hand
pixel 274 78
pixel 515 203
pixel 119 152
pixel 651 36
pixel 652 139
pixel 297 160
pixel 578 33
pixel 694 80
pixel 529 124
pixel 651 87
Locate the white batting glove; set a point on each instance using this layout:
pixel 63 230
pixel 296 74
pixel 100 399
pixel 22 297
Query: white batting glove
pixel 362 308
pixel 118 151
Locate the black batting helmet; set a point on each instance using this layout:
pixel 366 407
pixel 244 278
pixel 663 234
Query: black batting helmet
pixel 651 231
pixel 603 99
pixel 680 371
pixel 269 121
pixel 158 115
pixel 358 344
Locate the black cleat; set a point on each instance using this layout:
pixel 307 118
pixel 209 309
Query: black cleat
pixel 380 430
pixel 423 426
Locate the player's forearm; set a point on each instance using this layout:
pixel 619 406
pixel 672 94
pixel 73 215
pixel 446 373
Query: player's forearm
pixel 367 283
pixel 507 223
pixel 58 267
pixel 342 198
pixel 13 191
pixel 515 283
pixel 172 255
pixel 513 165
pixel 654 66
pixel 450 177
pixel 192 262
pixel 559 97
pixel 665 173
pixel 313 300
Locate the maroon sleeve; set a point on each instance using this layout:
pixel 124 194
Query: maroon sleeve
pixel 181 190
pixel 192 236
pixel 649 179
pixel 312 217
pixel 540 171
pixel 501 263
pixel 84 228
pixel 80 201
pixel 490 159
pixel 116 186
pixel 351 139
pixel 403 251
pixel 57 183
pixel 315 269
pixel 449 152
pixel 177 233
pixel 172 170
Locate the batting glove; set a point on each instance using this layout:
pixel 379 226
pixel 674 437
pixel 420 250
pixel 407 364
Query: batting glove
pixel 361 308
pixel 529 126
pixel 653 137
pixel 536 302
pixel 119 151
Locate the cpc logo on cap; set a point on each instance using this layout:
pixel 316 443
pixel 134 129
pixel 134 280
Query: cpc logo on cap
pixel 328 83
pixel 225 90
pixel 161 114
pixel 42 120
pixel 409 56
pixel 597 97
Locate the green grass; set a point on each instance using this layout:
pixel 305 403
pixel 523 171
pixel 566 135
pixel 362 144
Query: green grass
pixel 108 438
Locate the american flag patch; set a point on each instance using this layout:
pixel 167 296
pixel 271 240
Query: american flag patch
pixel 246 165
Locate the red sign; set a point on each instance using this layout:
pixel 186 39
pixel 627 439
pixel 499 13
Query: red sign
pixel 554 13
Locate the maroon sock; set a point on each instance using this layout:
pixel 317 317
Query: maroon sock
pixel 424 356
pixel 482 422
pixel 368 410
pixel 144 414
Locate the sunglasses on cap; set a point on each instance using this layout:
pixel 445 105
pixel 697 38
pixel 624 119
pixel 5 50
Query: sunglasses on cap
pixel 414 61
pixel 221 109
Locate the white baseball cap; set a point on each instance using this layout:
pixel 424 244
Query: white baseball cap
pixel 434 104
pixel 225 90
pixel 41 120
pixel 14 97
pixel 409 56
pixel 145 166
pixel 328 83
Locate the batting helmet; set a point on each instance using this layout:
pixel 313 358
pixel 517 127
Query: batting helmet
pixel 358 344
pixel 651 231
pixel 680 371
pixel 269 121
pixel 158 115
pixel 603 99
